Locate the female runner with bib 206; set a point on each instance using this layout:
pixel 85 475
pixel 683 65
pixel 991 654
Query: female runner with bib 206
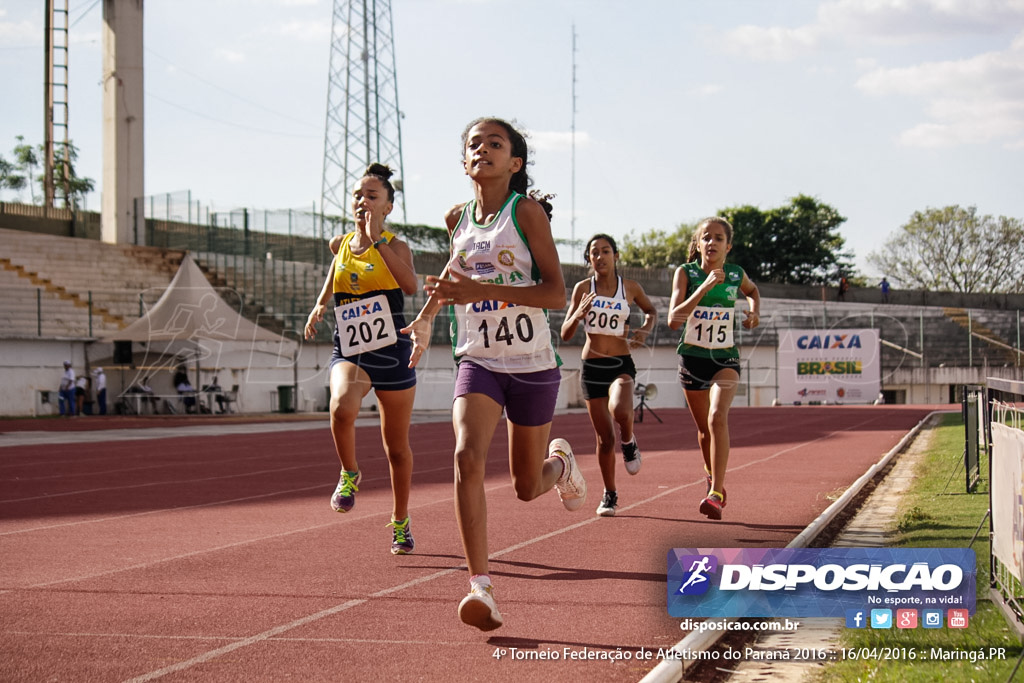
pixel 703 299
pixel 602 303
pixel 371 273
pixel 504 274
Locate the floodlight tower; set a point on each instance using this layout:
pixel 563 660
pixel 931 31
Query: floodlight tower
pixel 363 118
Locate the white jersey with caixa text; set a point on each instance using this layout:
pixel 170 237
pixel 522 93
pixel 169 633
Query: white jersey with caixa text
pixel 608 314
pixel 497 335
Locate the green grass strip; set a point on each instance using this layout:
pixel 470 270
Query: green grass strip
pixel 933 515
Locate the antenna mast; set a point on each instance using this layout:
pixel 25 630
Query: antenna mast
pixel 363 118
pixel 572 221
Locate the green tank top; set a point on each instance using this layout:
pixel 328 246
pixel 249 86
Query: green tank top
pixel 709 331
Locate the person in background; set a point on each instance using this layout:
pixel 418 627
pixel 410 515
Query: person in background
pixel 67 391
pixel 884 284
pixel 185 390
pixel 372 273
pixel 81 393
pixel 100 379
pixel 602 303
pixel 704 294
pixel 218 393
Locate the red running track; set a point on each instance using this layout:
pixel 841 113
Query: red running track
pixel 215 557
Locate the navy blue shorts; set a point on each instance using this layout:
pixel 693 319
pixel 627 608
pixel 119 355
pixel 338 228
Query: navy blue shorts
pixel 388 368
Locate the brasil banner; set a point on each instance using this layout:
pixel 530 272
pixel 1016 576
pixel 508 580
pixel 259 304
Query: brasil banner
pixel 833 366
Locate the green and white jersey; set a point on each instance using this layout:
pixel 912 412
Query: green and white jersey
pixel 709 329
pixel 497 335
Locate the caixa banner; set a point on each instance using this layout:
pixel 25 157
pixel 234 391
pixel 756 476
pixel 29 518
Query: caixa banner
pixel 816 582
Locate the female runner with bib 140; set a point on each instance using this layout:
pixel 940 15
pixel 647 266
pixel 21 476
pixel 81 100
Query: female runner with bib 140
pixel 371 272
pixel 504 274
pixel 602 303
pixel 704 300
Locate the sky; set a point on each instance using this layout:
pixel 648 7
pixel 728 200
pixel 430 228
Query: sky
pixel 878 108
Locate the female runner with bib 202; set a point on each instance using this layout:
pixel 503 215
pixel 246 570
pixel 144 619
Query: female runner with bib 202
pixel 504 272
pixel 371 273
pixel 602 303
pixel 703 300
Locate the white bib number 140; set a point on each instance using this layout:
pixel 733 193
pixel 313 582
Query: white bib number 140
pixel 365 325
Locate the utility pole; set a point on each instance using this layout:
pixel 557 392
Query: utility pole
pixel 56 144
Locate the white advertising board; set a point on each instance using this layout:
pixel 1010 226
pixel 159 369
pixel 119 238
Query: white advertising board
pixel 832 366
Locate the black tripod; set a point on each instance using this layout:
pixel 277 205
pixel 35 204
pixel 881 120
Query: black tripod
pixel 645 392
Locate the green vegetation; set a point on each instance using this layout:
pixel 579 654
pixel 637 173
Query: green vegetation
pixel 934 516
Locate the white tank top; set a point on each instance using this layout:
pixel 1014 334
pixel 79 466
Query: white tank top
pixel 497 335
pixel 608 314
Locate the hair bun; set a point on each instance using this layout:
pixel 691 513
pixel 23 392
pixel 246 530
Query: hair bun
pixel 379 169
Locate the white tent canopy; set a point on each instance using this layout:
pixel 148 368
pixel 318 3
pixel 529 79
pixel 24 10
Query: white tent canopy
pixel 192 310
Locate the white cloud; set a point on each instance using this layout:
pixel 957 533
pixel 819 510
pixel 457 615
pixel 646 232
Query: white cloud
pixel 707 90
pixel 312 30
pixel 772 43
pixel 230 55
pixel 20 33
pixel 974 100
pixel 556 140
pixel 882 20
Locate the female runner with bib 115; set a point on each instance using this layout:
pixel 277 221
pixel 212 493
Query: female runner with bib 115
pixel 371 272
pixel 602 303
pixel 703 299
pixel 504 274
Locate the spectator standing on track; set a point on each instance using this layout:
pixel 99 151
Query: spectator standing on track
pixel 81 393
pixel 66 391
pixel 602 303
pixel 372 272
pixel 100 378
pixel 844 285
pixel 703 300
pixel 503 275
pixel 884 284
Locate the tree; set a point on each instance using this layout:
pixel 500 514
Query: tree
pixel 798 243
pixel 657 248
pixel 955 249
pixel 21 172
pixel 26 159
pixel 10 179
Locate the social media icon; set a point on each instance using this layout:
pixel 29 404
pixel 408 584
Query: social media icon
pixel 881 618
pixel 856 618
pixel 958 618
pixel 931 618
pixel 906 618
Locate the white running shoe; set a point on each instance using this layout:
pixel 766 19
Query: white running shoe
pixel 609 504
pixel 479 609
pixel 631 456
pixel 571 486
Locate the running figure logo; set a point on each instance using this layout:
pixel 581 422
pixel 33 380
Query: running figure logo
pixel 696 581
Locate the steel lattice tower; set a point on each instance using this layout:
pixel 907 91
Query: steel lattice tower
pixel 363 118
